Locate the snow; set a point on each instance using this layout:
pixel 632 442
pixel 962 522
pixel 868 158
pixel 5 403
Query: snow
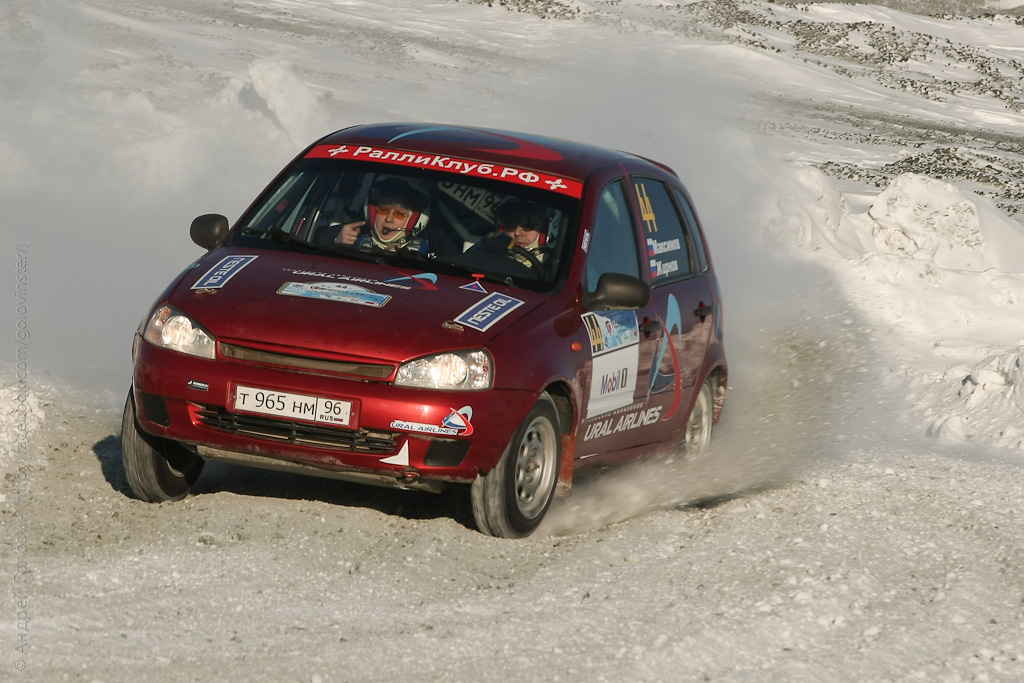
pixel 858 172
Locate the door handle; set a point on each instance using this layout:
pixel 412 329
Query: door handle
pixel 703 311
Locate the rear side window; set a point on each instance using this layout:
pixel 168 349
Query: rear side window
pixel 613 248
pixel 691 226
pixel 668 250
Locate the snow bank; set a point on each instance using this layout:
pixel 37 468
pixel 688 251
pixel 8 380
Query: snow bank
pixel 916 217
pixel 294 106
pixel 983 403
pixel 926 219
pixel 943 269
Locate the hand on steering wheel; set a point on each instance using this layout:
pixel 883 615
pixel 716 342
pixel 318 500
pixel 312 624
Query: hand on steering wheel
pixel 506 244
pixel 515 250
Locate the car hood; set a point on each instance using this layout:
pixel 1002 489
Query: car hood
pixel 340 306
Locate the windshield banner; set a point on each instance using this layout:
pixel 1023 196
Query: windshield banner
pixel 508 174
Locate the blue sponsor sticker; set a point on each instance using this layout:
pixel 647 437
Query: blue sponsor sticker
pixel 226 268
pixel 489 310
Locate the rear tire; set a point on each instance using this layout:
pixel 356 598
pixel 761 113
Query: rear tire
pixel 511 500
pixel 157 469
pixel 696 440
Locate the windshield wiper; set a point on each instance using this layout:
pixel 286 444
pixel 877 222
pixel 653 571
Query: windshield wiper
pixel 279 235
pixel 476 274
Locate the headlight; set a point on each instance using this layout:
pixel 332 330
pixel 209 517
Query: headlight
pixel 465 370
pixel 172 329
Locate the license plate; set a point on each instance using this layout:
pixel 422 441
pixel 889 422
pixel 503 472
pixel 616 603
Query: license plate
pixel 295 406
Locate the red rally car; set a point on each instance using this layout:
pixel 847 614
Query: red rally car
pixel 423 305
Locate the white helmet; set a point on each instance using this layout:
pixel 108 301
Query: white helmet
pixel 405 206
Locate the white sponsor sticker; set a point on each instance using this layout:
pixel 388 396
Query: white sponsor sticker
pixel 335 291
pixel 615 344
pixel 614 380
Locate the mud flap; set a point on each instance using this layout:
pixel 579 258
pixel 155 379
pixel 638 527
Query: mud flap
pixel 565 471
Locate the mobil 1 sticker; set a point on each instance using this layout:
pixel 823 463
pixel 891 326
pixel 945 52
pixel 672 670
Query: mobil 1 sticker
pixel 489 310
pixel 615 344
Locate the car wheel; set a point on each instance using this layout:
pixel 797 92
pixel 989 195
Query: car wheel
pixel 696 439
pixel 511 500
pixel 157 469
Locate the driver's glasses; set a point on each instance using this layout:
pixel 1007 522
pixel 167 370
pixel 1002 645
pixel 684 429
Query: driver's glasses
pixel 400 213
pixel 516 228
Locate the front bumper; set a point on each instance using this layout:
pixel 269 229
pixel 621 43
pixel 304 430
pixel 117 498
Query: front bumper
pixel 395 435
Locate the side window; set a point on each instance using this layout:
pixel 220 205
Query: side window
pixel 668 252
pixel 613 247
pixel 691 226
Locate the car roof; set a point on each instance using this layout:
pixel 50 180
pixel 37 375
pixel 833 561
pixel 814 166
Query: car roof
pixel 545 154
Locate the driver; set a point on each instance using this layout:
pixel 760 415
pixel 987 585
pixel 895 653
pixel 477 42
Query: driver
pixel 528 224
pixel 396 218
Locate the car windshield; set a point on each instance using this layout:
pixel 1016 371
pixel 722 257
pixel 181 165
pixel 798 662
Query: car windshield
pixel 497 230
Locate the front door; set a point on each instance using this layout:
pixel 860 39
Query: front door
pixel 646 363
pixel 623 344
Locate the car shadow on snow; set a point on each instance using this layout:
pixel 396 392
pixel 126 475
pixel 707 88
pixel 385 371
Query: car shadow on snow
pixel 217 477
pixel 108 452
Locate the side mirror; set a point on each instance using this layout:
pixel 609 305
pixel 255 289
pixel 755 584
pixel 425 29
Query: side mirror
pixel 208 230
pixel 618 292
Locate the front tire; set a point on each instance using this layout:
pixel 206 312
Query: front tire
pixel 157 469
pixel 696 440
pixel 511 500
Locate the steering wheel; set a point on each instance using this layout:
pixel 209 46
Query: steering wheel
pixel 504 243
pixel 528 255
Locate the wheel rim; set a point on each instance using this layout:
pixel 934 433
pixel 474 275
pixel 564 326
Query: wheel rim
pixel 535 467
pixel 697 438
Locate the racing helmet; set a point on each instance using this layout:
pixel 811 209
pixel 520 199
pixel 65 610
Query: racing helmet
pixel 515 212
pixel 405 206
